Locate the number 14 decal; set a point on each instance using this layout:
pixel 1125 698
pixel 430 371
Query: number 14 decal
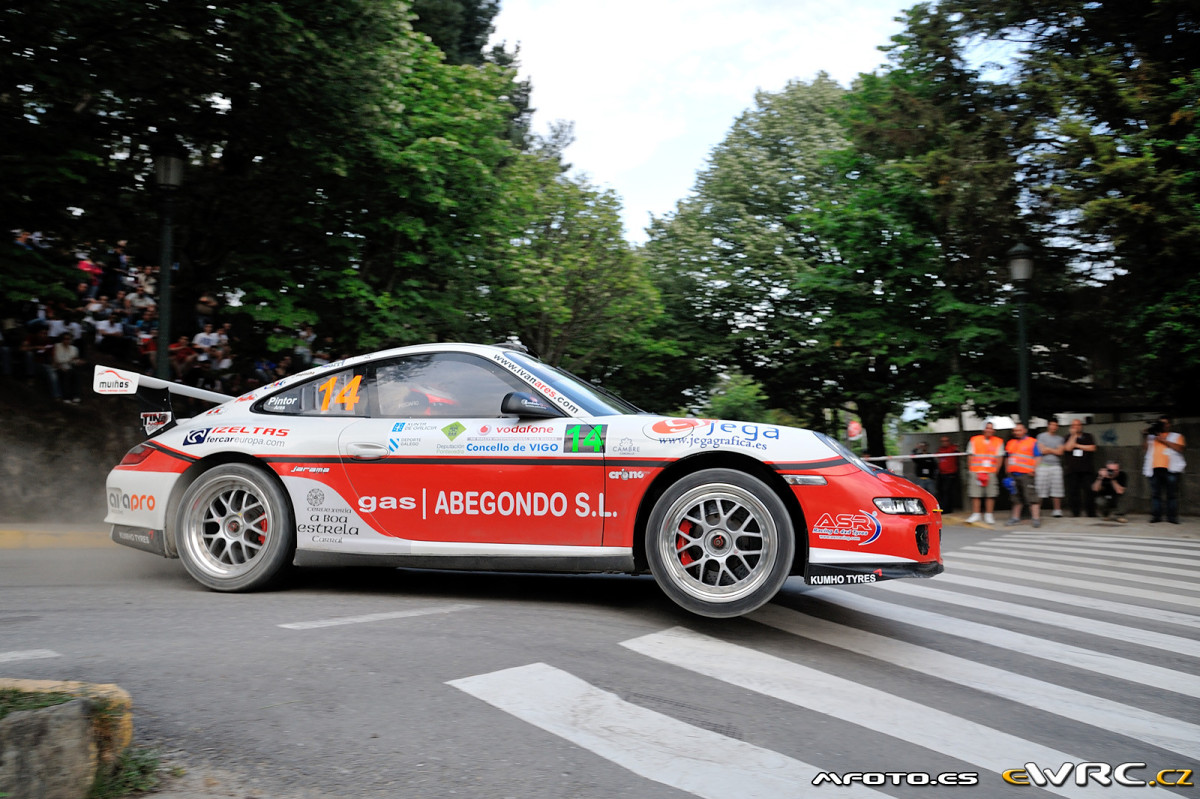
pixel 585 438
pixel 347 397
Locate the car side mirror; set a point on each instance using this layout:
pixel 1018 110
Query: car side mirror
pixel 526 405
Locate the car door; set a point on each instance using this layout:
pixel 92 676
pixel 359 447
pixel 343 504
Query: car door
pixel 437 461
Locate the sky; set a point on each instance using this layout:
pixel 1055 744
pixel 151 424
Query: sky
pixel 653 85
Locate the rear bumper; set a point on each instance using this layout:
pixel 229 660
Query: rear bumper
pixel 141 538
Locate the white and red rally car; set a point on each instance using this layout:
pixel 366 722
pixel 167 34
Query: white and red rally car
pixel 478 457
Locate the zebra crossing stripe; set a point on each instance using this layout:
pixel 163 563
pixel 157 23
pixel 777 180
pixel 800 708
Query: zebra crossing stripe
pixel 1127 545
pixel 1104 629
pixel 1055 651
pixel 904 719
pixel 1121 538
pixel 1178 736
pixel 371 617
pixel 1121 608
pixel 1162 582
pixel 27 654
pixel 1127 591
pixel 649 744
pixel 1040 554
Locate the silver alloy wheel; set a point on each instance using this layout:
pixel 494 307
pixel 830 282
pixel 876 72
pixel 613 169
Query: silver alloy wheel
pixel 227 525
pixel 723 542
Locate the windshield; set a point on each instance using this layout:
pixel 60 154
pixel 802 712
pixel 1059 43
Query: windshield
pixel 594 400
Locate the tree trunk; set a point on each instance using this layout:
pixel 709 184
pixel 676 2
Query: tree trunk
pixel 872 422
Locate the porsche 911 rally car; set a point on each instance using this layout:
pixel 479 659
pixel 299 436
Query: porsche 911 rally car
pixel 478 457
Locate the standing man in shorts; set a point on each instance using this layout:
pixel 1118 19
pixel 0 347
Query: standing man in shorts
pixel 985 453
pixel 1049 475
pixel 1022 462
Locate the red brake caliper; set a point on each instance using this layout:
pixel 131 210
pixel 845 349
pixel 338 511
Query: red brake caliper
pixel 262 539
pixel 682 544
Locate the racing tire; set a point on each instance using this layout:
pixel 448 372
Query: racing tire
pixel 234 529
pixel 720 543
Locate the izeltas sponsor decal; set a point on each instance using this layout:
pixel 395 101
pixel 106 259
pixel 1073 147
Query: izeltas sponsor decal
pixel 237 434
pixel 862 527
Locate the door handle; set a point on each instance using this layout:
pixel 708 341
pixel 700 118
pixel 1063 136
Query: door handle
pixel 366 450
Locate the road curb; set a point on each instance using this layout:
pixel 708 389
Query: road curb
pixel 59 750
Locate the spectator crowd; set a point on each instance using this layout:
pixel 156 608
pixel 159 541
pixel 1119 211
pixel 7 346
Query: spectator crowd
pixel 112 318
pixel 1051 466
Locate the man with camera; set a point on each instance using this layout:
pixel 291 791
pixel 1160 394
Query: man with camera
pixel 1078 452
pixel 1108 488
pixel 1163 464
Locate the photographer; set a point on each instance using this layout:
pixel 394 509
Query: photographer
pixel 1108 488
pixel 1163 464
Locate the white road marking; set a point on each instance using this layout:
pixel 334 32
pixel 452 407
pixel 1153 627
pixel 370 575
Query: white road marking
pixel 846 700
pixel 398 614
pixel 1127 591
pixel 1036 554
pixel 1104 574
pixel 1104 629
pixel 27 654
pixel 1157 730
pixel 1157 547
pixel 1121 608
pixel 649 744
pixel 1054 651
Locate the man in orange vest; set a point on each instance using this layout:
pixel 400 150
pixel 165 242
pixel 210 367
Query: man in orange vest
pixel 985 453
pixel 1023 457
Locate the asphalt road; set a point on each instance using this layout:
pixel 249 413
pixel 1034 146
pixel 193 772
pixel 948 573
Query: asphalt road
pixel 1076 642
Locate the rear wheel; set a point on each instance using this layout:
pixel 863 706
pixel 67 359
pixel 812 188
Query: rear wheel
pixel 234 529
pixel 720 543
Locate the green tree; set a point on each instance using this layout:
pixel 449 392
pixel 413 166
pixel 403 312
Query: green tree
pixel 340 169
pixel 1111 90
pixel 564 280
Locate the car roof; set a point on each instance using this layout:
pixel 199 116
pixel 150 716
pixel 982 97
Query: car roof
pixel 484 350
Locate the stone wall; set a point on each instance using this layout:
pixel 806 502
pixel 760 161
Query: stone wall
pixel 54 457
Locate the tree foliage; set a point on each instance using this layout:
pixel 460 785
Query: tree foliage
pixel 1112 91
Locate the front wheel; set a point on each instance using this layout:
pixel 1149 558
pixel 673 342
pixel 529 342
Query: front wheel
pixel 720 543
pixel 234 529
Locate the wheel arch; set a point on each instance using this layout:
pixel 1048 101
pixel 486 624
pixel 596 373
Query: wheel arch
pixel 200 467
pixel 720 460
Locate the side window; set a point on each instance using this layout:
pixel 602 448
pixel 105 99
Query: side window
pixel 448 384
pixel 333 394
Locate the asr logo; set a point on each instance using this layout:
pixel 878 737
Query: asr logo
pixel 863 527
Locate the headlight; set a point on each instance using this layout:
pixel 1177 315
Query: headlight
pixel 910 506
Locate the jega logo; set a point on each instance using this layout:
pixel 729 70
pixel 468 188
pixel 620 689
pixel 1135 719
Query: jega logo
pixel 118 499
pixel 734 433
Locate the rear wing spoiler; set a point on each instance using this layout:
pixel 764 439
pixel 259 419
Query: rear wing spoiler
pixel 154 395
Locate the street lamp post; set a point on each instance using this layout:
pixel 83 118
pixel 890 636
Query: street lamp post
pixel 168 175
pixel 1020 265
